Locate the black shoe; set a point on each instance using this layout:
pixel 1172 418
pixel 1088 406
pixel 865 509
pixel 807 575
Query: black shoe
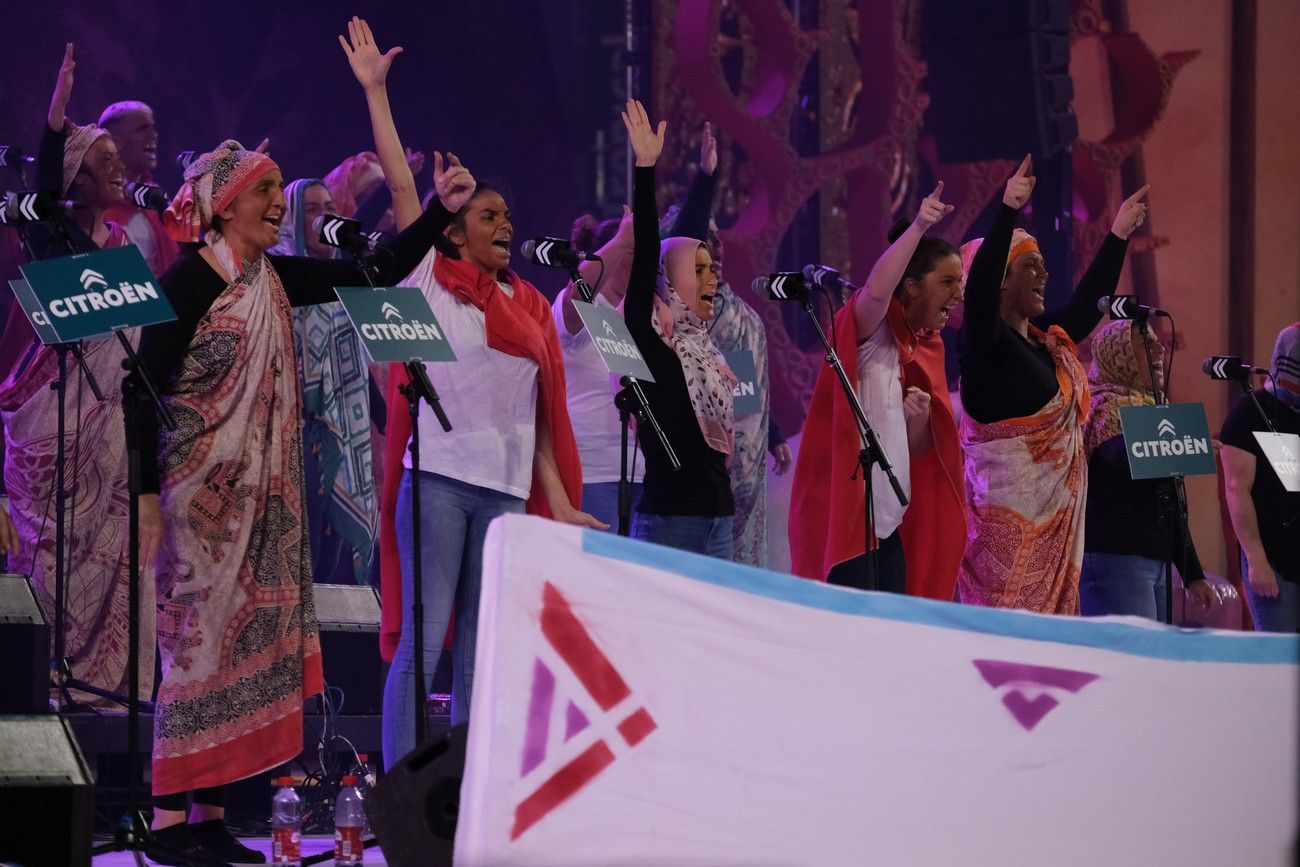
pixel 182 850
pixel 216 837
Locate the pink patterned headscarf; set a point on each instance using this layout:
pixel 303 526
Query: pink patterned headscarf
pixel 75 147
pixel 211 183
pixel 708 378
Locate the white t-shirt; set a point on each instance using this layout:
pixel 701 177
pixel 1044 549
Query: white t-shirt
pixel 591 404
pixel 880 391
pixel 490 399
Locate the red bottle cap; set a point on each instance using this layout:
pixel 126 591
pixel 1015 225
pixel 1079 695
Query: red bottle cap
pixel 349 780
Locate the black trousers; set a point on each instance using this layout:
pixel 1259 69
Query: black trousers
pixel 891 568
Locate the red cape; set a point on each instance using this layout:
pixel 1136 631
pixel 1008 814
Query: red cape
pixel 827 505
pixel 934 525
pixel 519 326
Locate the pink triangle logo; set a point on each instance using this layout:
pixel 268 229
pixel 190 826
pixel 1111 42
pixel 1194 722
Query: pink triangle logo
pixel 1026 692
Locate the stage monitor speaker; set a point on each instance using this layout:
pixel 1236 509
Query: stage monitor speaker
pixel 998 77
pixel 413 809
pixel 47 799
pixel 349 642
pixel 24 647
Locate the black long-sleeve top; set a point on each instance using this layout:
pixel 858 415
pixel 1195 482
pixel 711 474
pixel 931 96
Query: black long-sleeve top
pixel 192 286
pixel 702 486
pixel 43 240
pixel 1128 516
pixel 1003 374
pixel 693 222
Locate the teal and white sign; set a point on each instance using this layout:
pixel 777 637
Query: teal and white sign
pixel 95 294
pixel 35 314
pixel 612 339
pixel 1283 453
pixel 1165 441
pixel 747 401
pixel 395 323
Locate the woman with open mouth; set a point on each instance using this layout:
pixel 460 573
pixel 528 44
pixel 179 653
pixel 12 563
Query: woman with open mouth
pixel 511 448
pixel 1025 395
pixel 225 513
pixel 80 164
pixel 670 301
pixel 890 327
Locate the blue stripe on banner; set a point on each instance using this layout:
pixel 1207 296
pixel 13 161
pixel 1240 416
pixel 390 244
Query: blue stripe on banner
pixel 1156 641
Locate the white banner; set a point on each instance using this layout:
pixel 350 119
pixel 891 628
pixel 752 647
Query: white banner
pixel 637 705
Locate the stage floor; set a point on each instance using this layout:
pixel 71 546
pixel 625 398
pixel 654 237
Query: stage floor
pixel 311 845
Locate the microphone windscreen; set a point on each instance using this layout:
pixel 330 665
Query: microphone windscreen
pixel 527 247
pixel 759 286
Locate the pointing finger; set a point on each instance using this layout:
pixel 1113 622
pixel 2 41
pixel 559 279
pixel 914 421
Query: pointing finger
pixel 938 190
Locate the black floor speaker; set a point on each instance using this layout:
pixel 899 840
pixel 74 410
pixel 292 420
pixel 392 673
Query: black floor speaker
pixel 24 649
pixel 47 799
pixel 414 807
pixel 349 644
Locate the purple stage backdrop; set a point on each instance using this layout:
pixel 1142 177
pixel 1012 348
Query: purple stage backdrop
pixel 517 88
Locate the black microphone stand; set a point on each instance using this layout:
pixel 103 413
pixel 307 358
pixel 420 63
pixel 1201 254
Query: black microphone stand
pixel 139 396
pixel 630 401
pixel 1178 512
pixel 60 664
pixel 871 452
pixel 419 387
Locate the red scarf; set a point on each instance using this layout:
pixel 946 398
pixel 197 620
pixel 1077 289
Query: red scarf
pixel 934 525
pixel 520 326
pixel 827 506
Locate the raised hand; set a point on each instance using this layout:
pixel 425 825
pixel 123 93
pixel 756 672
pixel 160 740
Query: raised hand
pixel 708 150
pixel 1020 185
pixel 1131 214
pixel 932 209
pixel 368 65
pixel 414 161
pixel 647 142
pixel 623 234
pixel 62 89
pixel 453 183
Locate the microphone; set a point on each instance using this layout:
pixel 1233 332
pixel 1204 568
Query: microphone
pixel 554 253
pixel 1126 307
pixel 148 196
pixel 11 157
pixel 782 286
pixel 184 158
pixel 826 278
pixel 1230 367
pixel 336 231
pixel 30 206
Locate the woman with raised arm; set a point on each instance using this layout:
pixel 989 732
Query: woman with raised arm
pixel 511 448
pixel 225 511
pixel 669 303
pixel 79 163
pixel 1025 395
pixel 909 293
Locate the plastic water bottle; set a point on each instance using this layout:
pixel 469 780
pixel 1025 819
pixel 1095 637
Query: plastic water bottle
pixel 349 822
pixel 286 825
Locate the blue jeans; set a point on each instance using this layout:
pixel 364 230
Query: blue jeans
pixel 1279 614
pixel 600 500
pixel 698 533
pixel 454 518
pixel 1122 584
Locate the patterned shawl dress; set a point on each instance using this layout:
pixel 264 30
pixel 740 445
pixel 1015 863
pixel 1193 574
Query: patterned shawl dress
pixel 1026 481
pixel 337 454
pixel 237 626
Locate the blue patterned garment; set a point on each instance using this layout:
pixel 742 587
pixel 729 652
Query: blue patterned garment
pixel 337 474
